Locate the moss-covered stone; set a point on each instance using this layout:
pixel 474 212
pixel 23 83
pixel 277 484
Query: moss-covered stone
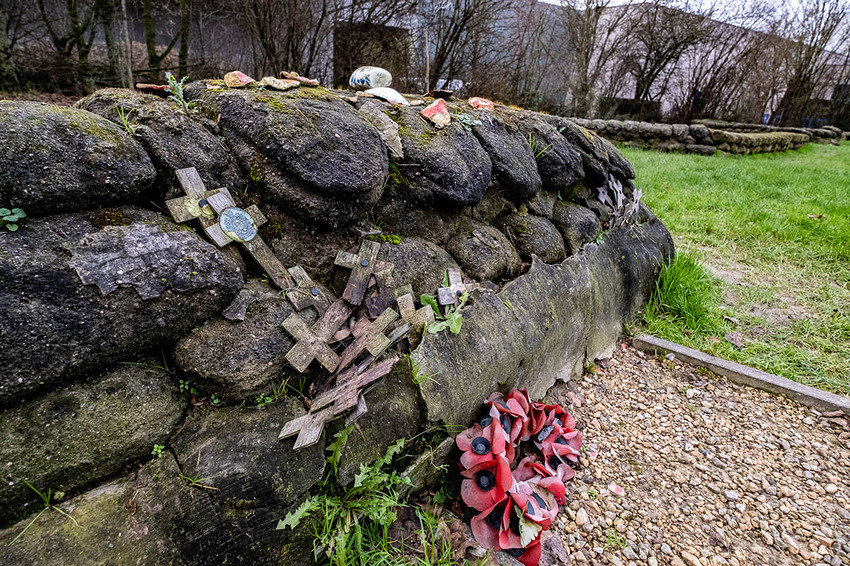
pixel 79 434
pixel 59 159
pixel 578 224
pixel 484 253
pixel 533 235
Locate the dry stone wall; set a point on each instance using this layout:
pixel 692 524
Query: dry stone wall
pixel 112 338
pixel 707 138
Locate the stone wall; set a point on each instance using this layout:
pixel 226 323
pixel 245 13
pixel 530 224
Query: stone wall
pixel 705 138
pixel 112 339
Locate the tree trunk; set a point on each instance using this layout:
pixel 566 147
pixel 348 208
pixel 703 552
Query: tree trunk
pixel 8 76
pixel 185 20
pixel 107 20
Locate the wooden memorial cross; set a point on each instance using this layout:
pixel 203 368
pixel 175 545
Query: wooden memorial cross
pixel 345 396
pixel 224 222
pixel 449 295
pixel 313 340
pixel 368 336
pixel 383 295
pixel 362 265
pixel 419 319
pixel 306 294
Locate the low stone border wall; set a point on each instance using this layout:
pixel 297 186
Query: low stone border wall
pixel 704 139
pixel 825 134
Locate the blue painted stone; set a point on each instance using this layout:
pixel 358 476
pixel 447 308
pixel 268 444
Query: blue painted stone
pixel 364 78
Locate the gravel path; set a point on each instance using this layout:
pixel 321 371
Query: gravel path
pixel 713 473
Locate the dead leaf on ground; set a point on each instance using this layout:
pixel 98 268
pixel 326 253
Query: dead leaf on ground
pixel 734 338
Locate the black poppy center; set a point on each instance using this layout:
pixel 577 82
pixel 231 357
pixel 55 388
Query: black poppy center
pixel 539 501
pixel 506 423
pixel 494 519
pixel 485 480
pixel 514 552
pixel 529 508
pixel 544 434
pixel 560 440
pixel 485 422
pixel 481 446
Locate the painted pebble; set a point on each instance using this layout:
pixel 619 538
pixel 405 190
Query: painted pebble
pixel 364 78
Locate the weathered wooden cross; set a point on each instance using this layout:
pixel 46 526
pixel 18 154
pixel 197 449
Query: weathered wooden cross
pixel 345 396
pixel 368 336
pixel 313 340
pixel 363 265
pixel 449 295
pixel 306 294
pixel 418 319
pixel 224 222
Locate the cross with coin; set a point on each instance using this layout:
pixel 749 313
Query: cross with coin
pixel 224 222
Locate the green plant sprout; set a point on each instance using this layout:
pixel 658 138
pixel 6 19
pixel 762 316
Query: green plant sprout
pixel 263 399
pixel 47 499
pixel 10 218
pixel 198 481
pixel 125 120
pixel 466 121
pixel 453 319
pixel 416 371
pixel 349 517
pixel 176 90
pixel 538 153
pixel 157 450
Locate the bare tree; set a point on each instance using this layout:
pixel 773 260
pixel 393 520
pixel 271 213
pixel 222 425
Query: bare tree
pixel 713 76
pixel 590 34
pixel 815 27
pixel 155 56
pixel 8 74
pixel 289 34
pixel 73 29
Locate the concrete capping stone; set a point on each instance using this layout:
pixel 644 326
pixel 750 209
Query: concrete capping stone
pixel 745 375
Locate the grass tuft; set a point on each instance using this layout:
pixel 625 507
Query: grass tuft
pixel 685 295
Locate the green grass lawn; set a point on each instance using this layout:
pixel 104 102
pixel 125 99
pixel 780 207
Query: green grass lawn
pixel 774 229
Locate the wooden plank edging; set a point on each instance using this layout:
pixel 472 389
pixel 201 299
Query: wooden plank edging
pixel 745 375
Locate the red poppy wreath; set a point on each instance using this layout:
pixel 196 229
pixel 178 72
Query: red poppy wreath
pixel 514 504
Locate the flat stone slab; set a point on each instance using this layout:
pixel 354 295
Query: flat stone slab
pixel 745 375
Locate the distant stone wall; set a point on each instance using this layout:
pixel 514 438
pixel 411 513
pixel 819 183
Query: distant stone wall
pixel 826 134
pixel 701 138
pixel 112 339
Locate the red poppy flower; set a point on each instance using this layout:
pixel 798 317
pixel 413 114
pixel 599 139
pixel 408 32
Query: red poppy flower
pixel 486 483
pixel 481 442
pixel 487 524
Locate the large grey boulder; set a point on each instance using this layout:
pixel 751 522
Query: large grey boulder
pixel 578 224
pixel 441 167
pixel 530 334
pixel 238 453
pixel 55 159
pixel 417 262
pixel 175 140
pixel 305 149
pixel 513 160
pixel 249 354
pixel 83 290
pixel 154 516
pixel 484 253
pixel 558 162
pixel 533 235
pixel 78 434
pixel 623 271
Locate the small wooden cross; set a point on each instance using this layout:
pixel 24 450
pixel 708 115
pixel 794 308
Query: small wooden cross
pixel 368 336
pixel 313 340
pixel 418 319
pixel 224 222
pixel 362 266
pixel 306 294
pixel 347 395
pixel 449 295
pixel 383 295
